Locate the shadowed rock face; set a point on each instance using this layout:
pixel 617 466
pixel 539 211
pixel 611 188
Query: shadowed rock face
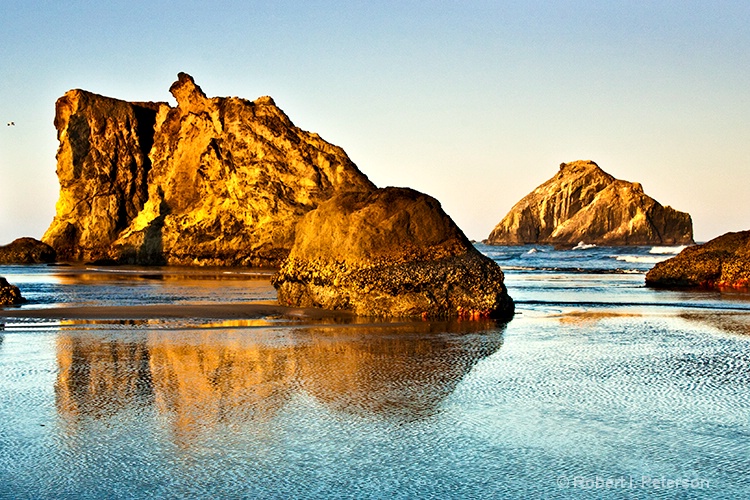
pixel 213 181
pixel 391 252
pixel 9 294
pixel 102 167
pixel 584 203
pixel 722 262
pixel 26 251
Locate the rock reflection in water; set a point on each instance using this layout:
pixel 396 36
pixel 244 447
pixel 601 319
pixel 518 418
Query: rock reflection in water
pixel 403 375
pixel 98 376
pixel 199 379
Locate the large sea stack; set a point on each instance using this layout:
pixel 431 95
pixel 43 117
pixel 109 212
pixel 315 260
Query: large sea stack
pixel 390 252
pixel 225 181
pixel 722 262
pixel 582 203
pixel 212 181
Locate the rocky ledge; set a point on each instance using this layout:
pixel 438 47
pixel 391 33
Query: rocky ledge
pixel 721 262
pixel 583 203
pixel 9 294
pixel 391 252
pixel 212 181
pixel 26 251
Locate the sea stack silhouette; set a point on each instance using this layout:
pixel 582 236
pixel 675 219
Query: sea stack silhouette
pixel 26 251
pixel 583 203
pixel 225 181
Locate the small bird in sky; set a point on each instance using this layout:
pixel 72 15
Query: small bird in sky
pixel 11 124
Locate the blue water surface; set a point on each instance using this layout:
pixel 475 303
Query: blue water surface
pixel 598 388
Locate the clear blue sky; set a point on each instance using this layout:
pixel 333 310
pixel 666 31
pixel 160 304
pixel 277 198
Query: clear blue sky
pixel 473 102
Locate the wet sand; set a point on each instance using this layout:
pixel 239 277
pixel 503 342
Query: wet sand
pixel 254 310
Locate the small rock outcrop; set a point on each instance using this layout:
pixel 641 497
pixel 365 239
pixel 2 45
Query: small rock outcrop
pixel 390 252
pixel 212 181
pixel 721 262
pixel 27 251
pixel 10 295
pixel 582 203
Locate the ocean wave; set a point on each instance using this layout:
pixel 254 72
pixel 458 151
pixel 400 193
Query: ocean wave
pixel 667 250
pixel 713 306
pixel 640 259
pixel 583 246
pixel 571 270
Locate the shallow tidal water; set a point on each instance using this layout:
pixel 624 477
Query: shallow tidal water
pixel 598 388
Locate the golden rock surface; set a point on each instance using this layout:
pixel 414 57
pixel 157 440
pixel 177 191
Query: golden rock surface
pixel 391 252
pixel 212 181
pixel 582 203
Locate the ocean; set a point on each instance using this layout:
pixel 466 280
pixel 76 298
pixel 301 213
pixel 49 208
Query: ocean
pixel 598 388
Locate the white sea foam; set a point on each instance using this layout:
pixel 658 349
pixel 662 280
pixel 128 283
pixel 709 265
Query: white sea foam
pixel 640 259
pixel 667 250
pixel 583 246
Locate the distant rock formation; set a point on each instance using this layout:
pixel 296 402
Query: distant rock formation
pixel 26 251
pixel 722 262
pixel 582 203
pixel 390 252
pixel 9 294
pixel 213 181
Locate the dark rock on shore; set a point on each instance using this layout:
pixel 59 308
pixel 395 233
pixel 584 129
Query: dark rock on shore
pixel 391 252
pixel 27 251
pixel 9 294
pixel 721 262
pixel 582 203
pixel 212 181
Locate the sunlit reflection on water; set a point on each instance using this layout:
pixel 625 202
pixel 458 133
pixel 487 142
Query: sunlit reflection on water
pixel 197 380
pixel 374 410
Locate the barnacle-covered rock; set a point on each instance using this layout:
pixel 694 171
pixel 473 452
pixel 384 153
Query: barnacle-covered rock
pixel 392 252
pixel 721 262
pixel 9 294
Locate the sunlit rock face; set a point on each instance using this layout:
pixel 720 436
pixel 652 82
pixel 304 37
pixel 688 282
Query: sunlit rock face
pixel 721 262
pixel 582 203
pixel 26 251
pixel 390 252
pixel 9 294
pixel 212 181
pixel 102 167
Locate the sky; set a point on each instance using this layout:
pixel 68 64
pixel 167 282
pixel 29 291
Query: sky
pixel 473 102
